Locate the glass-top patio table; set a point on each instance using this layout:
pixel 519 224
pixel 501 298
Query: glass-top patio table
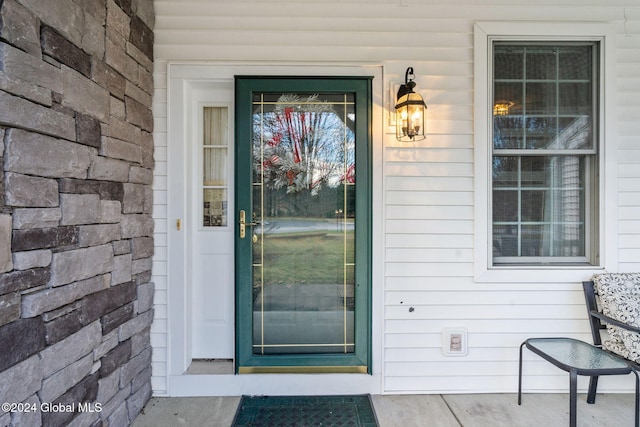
pixel 577 358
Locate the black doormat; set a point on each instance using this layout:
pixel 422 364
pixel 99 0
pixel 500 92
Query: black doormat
pixel 303 411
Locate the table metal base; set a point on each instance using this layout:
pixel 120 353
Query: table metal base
pixel 578 358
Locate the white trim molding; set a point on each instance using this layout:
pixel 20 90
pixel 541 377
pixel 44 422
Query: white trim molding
pixel 171 377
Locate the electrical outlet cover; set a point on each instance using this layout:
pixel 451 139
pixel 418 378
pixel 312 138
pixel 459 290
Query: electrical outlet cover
pixel 454 342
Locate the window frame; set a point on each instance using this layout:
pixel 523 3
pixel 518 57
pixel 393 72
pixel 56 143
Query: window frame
pixel 485 34
pixel 587 157
pixel 360 361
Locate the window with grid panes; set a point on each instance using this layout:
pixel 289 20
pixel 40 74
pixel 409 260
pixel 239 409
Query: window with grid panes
pixel 544 153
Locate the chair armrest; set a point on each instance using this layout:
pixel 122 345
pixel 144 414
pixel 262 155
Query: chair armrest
pixel 614 322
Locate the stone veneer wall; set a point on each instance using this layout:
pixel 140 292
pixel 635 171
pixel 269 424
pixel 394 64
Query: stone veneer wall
pixel 75 209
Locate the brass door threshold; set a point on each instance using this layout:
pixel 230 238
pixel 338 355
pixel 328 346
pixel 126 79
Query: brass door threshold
pixel 302 370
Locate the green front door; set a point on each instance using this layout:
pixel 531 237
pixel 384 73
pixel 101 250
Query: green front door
pixel 303 247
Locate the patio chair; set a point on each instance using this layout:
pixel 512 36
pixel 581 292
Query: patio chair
pixel 613 306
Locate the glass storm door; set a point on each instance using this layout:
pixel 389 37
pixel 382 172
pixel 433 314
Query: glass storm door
pixel 302 224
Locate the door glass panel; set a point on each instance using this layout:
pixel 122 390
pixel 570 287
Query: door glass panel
pixel 303 210
pixel 215 207
pixel 214 167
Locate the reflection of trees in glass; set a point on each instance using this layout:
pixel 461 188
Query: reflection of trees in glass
pixel 305 146
pixel 325 204
pixel 544 133
pixel 538 206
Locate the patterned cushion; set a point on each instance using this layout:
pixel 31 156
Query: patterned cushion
pixel 620 300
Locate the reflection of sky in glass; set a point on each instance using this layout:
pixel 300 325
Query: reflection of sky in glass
pixel 548 133
pixel 304 147
pixel 550 91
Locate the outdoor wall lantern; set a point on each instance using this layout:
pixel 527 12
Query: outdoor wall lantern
pixel 409 111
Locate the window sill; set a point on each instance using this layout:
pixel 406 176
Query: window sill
pixel 536 274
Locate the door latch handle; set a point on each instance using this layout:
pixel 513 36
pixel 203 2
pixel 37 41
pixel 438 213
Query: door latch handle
pixel 243 224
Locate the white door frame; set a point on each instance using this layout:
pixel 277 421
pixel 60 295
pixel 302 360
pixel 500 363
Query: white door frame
pixel 179 333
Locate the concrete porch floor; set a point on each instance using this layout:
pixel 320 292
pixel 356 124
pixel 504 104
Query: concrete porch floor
pixel 459 410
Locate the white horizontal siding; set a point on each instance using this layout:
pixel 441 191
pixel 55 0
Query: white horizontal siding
pixel 429 198
pixel 461 284
pixel 482 298
pixel 431 167
pixel 428 186
pixel 417 240
pixel 417 347
pixel 392 11
pixel 426 183
pixel 629 149
pixel 519 324
pixel 160 199
pixel 432 254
